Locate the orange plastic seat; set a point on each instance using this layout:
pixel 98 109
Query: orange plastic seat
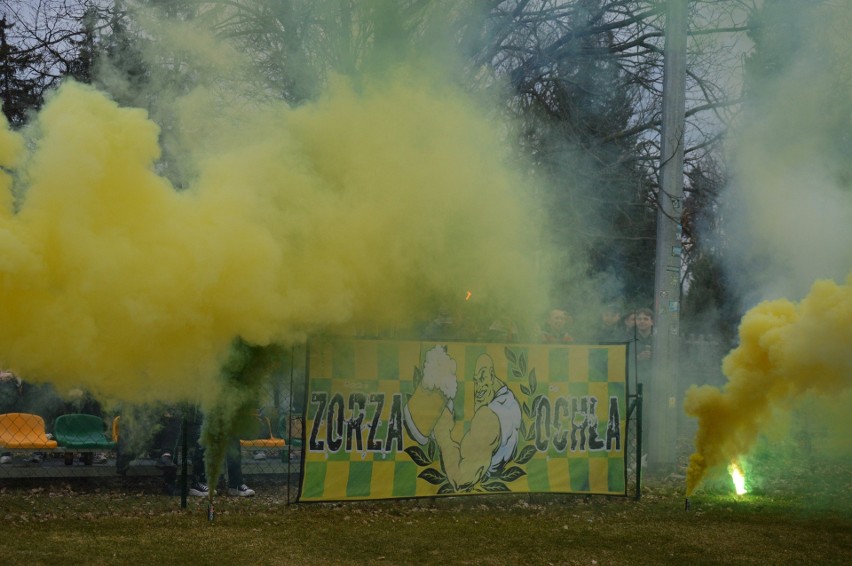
pixel 263 443
pixel 271 442
pixel 24 431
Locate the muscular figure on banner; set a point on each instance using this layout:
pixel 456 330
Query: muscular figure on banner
pixel 490 442
pixel 492 436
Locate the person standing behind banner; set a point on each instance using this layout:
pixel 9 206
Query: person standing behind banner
pixel 610 328
pixel 503 329
pixel 555 328
pixel 642 351
pixel 641 339
pixel 445 326
pixel 629 323
pixel 644 339
pixel 11 394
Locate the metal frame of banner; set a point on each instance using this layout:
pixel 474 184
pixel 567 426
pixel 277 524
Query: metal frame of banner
pixel 302 432
pixel 634 405
pixel 292 416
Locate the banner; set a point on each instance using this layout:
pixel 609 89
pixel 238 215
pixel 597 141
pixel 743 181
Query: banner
pixel 392 419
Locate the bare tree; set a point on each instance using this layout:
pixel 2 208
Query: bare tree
pixel 581 78
pixel 51 34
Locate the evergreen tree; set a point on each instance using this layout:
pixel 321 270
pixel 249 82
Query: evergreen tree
pixel 81 67
pixel 19 93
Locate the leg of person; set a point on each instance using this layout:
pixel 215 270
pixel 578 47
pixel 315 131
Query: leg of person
pixel 234 462
pixel 170 480
pixel 165 462
pixel 198 486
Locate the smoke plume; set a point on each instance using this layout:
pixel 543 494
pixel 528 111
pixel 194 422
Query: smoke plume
pixel 161 254
pixel 366 206
pixel 786 350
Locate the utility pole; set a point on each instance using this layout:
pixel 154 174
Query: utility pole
pixel 662 402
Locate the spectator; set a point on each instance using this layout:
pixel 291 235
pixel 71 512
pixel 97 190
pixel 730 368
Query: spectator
pixel 503 329
pixel 447 325
pixel 629 322
pixel 610 328
pixel 233 463
pixel 644 336
pixel 198 483
pixel 555 328
pixel 168 441
pixel 233 466
pixel 642 353
pixel 166 424
pixel 11 395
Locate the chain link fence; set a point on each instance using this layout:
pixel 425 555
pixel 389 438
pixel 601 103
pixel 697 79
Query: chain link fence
pixel 44 437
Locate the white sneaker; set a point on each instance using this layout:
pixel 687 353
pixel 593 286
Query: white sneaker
pixel 5 459
pixel 198 489
pixel 242 491
pixel 260 455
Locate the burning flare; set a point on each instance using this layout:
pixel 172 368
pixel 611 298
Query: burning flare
pixel 785 351
pixel 738 477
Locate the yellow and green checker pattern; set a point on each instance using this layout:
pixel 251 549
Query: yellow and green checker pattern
pixel 550 419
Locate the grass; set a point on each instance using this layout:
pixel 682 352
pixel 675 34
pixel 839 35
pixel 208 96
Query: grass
pixel 61 523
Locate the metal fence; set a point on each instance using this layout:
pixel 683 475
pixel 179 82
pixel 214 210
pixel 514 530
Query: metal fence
pixel 44 438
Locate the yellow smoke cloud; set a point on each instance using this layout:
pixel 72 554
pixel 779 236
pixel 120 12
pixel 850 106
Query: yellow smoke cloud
pixel 786 350
pixel 365 206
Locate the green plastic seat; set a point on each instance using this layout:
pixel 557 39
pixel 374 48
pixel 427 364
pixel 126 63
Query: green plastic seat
pixel 82 432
